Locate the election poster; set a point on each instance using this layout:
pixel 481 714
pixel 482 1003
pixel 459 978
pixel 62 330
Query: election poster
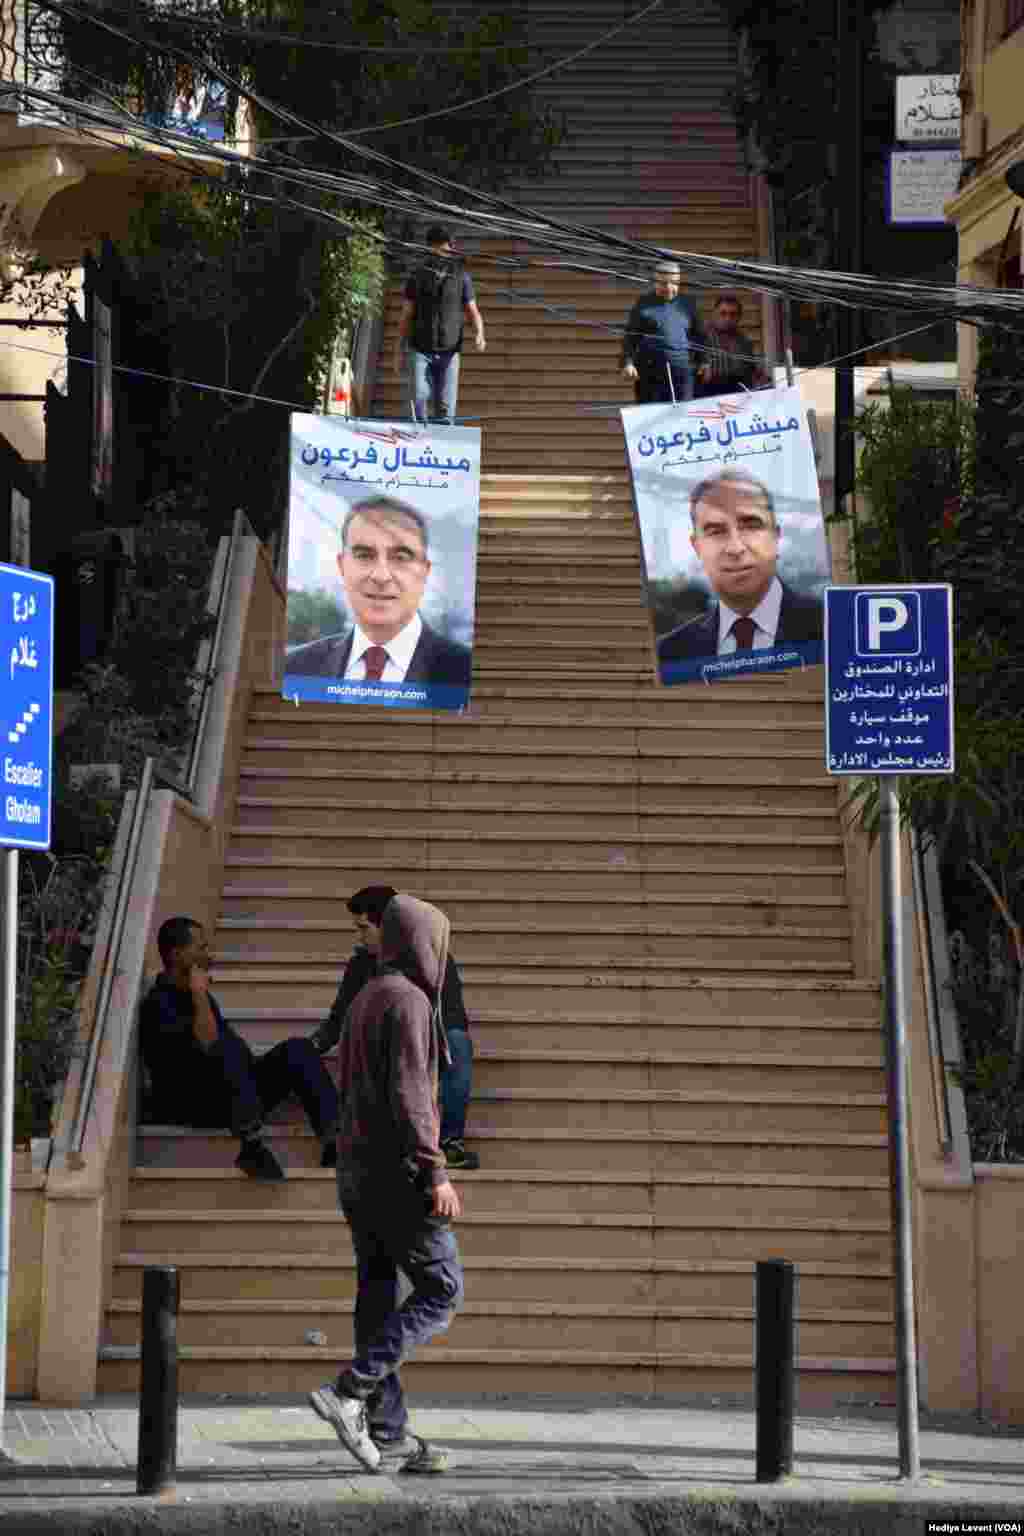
pixel 383 520
pixel 734 547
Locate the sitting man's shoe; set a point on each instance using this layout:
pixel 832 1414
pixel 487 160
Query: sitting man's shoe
pixel 456 1156
pixel 347 1417
pixel 411 1454
pixel 329 1155
pixel 257 1160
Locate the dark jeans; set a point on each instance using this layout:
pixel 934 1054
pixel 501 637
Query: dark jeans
pixel 454 1085
pixel 393 1231
pixel 248 1087
pixel 652 385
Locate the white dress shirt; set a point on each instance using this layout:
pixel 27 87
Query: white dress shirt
pixel 765 617
pixel 400 651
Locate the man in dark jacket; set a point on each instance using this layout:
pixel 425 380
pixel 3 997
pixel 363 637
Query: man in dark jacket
pixel 393 1185
pixel 456 1073
pixel 663 341
pixel 438 300
pixel 203 1074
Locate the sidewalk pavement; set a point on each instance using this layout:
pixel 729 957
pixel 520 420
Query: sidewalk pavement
pixel 620 1468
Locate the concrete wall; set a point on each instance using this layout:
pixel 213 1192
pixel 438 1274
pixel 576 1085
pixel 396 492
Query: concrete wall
pixel 993 140
pixel 26 1283
pixel 1001 89
pixel 999 1223
pixel 76 1225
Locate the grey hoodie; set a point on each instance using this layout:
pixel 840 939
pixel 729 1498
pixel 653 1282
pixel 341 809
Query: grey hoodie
pixel 389 1051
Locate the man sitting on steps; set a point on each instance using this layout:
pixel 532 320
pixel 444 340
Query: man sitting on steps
pixel 367 907
pixel 203 1074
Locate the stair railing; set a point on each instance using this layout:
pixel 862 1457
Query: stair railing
pixel 207 663
pixel 931 927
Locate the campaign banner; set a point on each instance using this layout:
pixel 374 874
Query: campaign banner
pixel 734 548
pixel 383 522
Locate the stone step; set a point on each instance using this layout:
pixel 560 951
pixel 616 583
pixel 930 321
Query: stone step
pixel 570 1151
pixel 662 1284
pixel 278 905
pixel 461 813
pixel 507 728
pixel 485 1326
pixel 334 880
pixel 505 818
pixel 509 1193
pixel 250 943
pixel 711 1111
pixel 443 1371
pixel 694 1040
pixel 798 1239
pixel 654 710
pixel 449 790
pixel 594 995
pixel 497 849
pixel 408 761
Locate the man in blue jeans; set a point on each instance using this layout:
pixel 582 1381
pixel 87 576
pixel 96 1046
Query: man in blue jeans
pixel 438 300
pixel 367 907
pixel 393 1187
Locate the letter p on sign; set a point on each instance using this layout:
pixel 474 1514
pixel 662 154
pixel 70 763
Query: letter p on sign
pixel 888 623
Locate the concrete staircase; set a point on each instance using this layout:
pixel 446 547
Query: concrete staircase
pixel 678 1072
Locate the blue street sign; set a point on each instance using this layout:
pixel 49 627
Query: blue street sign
pixel 889 679
pixel 26 715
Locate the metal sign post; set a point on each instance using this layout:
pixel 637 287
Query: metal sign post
pixel 889 711
pixel 26 753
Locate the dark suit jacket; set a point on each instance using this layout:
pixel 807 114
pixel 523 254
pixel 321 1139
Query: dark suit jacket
pixel 800 619
pixel 435 660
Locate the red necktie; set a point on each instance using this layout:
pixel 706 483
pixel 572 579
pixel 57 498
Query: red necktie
pixel 376 658
pixel 743 629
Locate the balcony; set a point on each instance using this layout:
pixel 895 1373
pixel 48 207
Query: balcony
pixel 67 180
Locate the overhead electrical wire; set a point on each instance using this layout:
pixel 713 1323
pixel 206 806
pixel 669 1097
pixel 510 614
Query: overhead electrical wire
pixel 260 34
pixel 424 117
pixel 500 217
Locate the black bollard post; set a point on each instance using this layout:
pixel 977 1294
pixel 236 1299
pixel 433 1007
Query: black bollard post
pixel 775 1344
pixel 158 1397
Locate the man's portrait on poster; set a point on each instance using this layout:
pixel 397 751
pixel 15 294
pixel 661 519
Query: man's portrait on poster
pixel 384 565
pixel 383 523
pixel 735 552
pixel 736 536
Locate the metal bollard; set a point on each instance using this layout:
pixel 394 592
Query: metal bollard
pixel 775 1345
pixel 158 1395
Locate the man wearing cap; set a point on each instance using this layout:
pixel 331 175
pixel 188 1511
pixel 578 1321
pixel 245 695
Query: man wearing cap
pixel 662 335
pixel 438 300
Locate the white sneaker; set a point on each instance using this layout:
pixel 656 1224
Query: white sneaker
pixel 347 1417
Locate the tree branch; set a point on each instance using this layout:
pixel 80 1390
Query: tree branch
pixel 285 342
pixel 1004 911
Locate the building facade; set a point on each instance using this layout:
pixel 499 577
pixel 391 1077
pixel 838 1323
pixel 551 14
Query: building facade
pixel 987 213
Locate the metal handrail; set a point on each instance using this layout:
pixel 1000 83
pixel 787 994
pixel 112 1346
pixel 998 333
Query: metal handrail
pixel 151 774
pixel 207 670
pixel 110 962
pixel 926 937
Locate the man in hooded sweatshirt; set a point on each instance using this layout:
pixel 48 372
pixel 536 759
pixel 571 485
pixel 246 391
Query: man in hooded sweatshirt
pixel 393 1185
